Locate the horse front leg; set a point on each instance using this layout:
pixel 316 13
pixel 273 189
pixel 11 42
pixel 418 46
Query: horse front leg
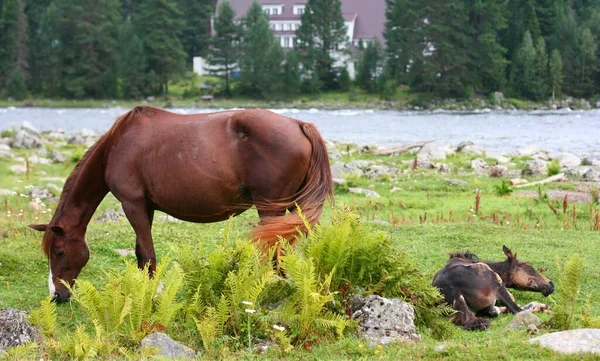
pixel 140 216
pixel 508 300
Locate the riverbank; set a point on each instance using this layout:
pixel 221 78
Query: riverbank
pixel 326 101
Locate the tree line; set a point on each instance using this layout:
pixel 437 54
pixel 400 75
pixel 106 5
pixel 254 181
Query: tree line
pixel 531 49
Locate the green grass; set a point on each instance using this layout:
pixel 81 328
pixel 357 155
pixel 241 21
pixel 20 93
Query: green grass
pixel 451 224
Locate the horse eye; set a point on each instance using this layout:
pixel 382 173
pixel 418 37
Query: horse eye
pixel 60 253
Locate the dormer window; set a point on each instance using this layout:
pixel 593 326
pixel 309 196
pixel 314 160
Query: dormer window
pixel 298 9
pixel 273 9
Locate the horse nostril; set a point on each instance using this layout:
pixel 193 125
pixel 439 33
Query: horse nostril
pixel 56 297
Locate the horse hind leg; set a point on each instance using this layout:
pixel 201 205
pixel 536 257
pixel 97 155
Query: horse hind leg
pixel 465 318
pixel 508 300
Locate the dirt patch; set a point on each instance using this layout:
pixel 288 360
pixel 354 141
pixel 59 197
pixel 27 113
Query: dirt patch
pixel 558 195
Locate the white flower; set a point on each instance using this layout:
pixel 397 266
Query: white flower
pixel 507 222
pixel 28 186
pixel 249 310
pixel 247 303
pixel 279 328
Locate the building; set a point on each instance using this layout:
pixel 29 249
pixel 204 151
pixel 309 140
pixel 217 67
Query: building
pixel 364 21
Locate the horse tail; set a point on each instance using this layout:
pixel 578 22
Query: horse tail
pixel 316 189
pixel 465 318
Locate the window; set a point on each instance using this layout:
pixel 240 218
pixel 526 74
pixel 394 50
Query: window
pixel 267 11
pixel 275 11
pixel 286 42
pixel 298 9
pixel 286 26
pixel 277 26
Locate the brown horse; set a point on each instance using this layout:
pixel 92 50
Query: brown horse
pixel 472 287
pixel 198 168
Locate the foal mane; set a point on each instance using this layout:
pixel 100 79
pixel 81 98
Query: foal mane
pixel 71 179
pixel 465 255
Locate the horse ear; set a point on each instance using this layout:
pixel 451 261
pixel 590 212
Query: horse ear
pixel 38 227
pixel 58 230
pixel 509 253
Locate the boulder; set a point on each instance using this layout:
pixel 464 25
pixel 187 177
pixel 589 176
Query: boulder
pixel 571 341
pixel 457 182
pixel 18 169
pixel 568 160
pixel 27 137
pixel 15 330
pixel 501 159
pixel 536 153
pixel 57 157
pixel 167 347
pixel 6 151
pixel 522 320
pixel 376 171
pixel 34 159
pixel 463 144
pixel 432 151
pixel 535 167
pixel 44 194
pixel 367 192
pixel 592 174
pixel 479 165
pixel 498 171
pixel 110 215
pixel 384 320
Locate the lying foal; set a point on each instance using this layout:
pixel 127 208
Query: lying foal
pixel 473 286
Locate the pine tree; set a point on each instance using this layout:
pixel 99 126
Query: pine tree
pixel 159 25
pixel 320 37
pixel 13 43
pixel 195 35
pixel 290 76
pixel 445 68
pixel 525 77
pixel 486 20
pixel 541 74
pixel 568 40
pixel 369 67
pixel 132 62
pixel 15 85
pixel 555 73
pixel 404 36
pixel 45 54
pixel 223 51
pixel 588 62
pixel 262 55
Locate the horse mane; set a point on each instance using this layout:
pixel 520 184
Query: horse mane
pixel 66 191
pixel 465 255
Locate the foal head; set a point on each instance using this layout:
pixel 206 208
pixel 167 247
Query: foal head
pixel 522 276
pixel 67 253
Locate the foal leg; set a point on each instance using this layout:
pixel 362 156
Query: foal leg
pixel 490 311
pixel 140 216
pixel 465 318
pixel 508 300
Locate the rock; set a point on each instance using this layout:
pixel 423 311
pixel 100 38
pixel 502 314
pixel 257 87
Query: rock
pixel 380 222
pixel 568 160
pixel 463 144
pixel 167 347
pixel 501 159
pixel 499 97
pixel 441 347
pixel 34 206
pixel 34 159
pixel 571 341
pixel 592 174
pixel 83 136
pixel 383 320
pixel 55 135
pixel 169 218
pixel 522 320
pixel 457 182
pixel 57 157
pixel 109 215
pixel 5 192
pixel 43 194
pixel 498 171
pixel 422 163
pixel 334 154
pixel 431 151
pixel 337 170
pixel 6 151
pixel 590 161
pixel 18 169
pixel 376 171
pixel 479 165
pixel 27 137
pixel 15 330
pixel 536 153
pixel 535 167
pixel 124 252
pixel 367 192
pixel 361 165
pixel 442 167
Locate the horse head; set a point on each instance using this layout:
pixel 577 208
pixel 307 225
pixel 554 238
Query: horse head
pixel 67 253
pixel 522 276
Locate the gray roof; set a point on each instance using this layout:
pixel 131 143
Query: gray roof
pixel 370 14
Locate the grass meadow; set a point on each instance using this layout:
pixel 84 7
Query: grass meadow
pixel 424 214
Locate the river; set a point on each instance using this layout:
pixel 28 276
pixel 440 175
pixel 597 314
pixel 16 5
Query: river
pixel 577 132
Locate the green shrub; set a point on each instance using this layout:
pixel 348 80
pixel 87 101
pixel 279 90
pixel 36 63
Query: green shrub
pixel 503 189
pixel 569 286
pixel 16 86
pixel 553 168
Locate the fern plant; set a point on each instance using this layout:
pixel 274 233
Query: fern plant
pixel 569 284
pixel 44 317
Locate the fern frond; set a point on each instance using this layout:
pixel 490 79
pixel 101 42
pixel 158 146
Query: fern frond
pixel 166 305
pixel 44 317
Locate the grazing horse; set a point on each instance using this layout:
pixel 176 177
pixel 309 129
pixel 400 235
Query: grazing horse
pixel 196 167
pixel 472 286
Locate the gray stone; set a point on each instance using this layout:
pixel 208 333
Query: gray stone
pixel 6 153
pixel 568 160
pixel 498 171
pixel 15 330
pixel 5 192
pixel 24 139
pixel 590 161
pixel 18 169
pixel 501 159
pixel 34 159
pixel 499 97
pixel 43 194
pixel 34 206
pixel 432 151
pixel 57 157
pixel 334 154
pixel 464 143
pixel 124 252
pixel 167 347
pixel 457 182
pixel 535 167
pixel 571 341
pixel 479 165
pixel 592 174
pixel 110 215
pixel 169 218
pixel 358 164
pixel 55 135
pixel 423 163
pixel 376 171
pixel 384 320
pixel 367 192
pixel 380 222
pixel 536 153
pixel 522 320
